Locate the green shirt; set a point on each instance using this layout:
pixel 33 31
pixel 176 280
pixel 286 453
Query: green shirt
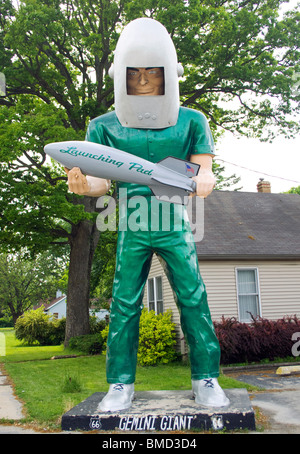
pixel 191 135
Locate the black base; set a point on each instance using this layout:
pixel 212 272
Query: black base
pixel 162 411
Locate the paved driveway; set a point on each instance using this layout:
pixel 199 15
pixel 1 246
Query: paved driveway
pixel 279 400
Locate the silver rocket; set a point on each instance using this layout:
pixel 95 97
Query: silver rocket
pixel 169 179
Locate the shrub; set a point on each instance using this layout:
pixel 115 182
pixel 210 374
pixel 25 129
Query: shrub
pixel 6 322
pixel 156 340
pixel 91 344
pixel 261 339
pixel 104 334
pixel 56 332
pixel 33 326
pixel 96 326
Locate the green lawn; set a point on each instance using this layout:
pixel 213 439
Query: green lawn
pixel 40 382
pixel 17 351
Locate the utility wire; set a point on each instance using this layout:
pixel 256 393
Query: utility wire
pixel 257 171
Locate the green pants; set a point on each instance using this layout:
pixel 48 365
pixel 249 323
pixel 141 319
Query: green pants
pixel 134 254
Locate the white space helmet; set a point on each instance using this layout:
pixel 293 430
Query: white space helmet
pixel 145 43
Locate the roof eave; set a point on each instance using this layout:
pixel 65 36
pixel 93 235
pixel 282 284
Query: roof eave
pixel 244 257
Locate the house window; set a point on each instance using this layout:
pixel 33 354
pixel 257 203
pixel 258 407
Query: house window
pixel 248 294
pixel 155 295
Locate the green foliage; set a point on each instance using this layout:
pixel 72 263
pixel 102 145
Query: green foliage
pixel 104 334
pixel 71 384
pixel 33 326
pixel 25 281
pixel 295 190
pixel 157 338
pixel 103 268
pixel 56 332
pixel 223 182
pixel 6 322
pixel 91 344
pixel 37 327
pixel 96 325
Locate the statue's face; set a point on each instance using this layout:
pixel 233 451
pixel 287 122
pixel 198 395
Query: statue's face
pixel 145 81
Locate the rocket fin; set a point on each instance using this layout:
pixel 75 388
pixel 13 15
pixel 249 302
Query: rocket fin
pixel 171 194
pixel 187 168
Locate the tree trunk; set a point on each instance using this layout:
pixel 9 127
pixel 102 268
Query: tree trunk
pixel 15 316
pixel 85 237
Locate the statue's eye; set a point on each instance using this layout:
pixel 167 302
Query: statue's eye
pixel 132 73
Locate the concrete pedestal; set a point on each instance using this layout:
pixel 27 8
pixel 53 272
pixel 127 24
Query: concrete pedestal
pixel 163 411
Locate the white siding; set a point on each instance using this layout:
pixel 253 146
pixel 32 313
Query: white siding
pixel 60 308
pixel 219 279
pixel 279 287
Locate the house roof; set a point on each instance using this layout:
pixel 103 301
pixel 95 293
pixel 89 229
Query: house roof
pixel 52 303
pixel 246 225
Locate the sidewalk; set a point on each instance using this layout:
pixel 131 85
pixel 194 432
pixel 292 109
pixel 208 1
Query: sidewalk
pixel 10 407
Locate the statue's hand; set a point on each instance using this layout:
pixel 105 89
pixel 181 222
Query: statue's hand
pixel 205 181
pixel 77 182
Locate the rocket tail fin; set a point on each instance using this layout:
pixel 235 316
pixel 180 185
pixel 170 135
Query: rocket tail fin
pixel 187 168
pixel 170 193
pixel 172 189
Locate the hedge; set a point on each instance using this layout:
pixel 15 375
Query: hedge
pixel 261 339
pixel 91 344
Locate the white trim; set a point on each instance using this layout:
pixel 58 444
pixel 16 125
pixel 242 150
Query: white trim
pixel 249 268
pixel 154 278
pixel 148 282
pixel 56 302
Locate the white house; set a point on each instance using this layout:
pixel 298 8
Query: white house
pixel 58 308
pixel 249 258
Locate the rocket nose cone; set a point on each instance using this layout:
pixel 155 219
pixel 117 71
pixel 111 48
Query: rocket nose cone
pixel 49 149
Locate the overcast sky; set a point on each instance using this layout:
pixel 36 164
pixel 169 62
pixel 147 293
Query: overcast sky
pixel 277 162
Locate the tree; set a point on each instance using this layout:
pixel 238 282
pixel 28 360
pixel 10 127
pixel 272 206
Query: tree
pixel 25 282
pixel 295 190
pixel 47 49
pixel 56 54
pixel 103 268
